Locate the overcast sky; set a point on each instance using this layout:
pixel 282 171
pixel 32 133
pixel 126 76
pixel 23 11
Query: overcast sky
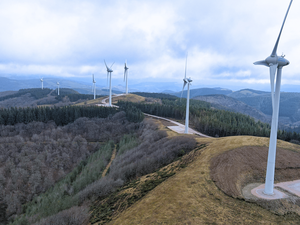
pixel 222 37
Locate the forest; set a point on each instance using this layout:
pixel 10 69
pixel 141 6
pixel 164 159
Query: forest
pixel 49 172
pixel 210 121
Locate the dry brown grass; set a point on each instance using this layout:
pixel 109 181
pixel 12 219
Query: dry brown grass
pixel 128 98
pixel 191 197
pixel 91 102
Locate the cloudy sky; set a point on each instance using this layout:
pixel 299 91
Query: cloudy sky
pixel 222 37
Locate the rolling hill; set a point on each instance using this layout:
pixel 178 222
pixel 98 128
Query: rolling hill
pixel 231 104
pixel 191 196
pixel 203 91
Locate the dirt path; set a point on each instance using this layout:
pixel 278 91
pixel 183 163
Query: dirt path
pixel 110 162
pixel 178 127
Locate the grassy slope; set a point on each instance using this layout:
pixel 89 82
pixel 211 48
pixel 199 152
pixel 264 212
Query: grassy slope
pixel 191 197
pixel 129 97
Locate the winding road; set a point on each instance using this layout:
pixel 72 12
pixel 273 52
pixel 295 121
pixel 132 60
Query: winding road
pixel 178 127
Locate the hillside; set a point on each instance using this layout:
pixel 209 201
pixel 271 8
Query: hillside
pixel 246 93
pixel 33 97
pixel 140 172
pixel 203 91
pixel 289 105
pixel 191 196
pixel 234 105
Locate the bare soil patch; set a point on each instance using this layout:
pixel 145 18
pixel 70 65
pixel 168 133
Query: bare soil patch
pixel 235 171
pixel 232 170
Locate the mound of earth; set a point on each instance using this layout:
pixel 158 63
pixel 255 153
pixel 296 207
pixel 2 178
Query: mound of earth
pixel 233 170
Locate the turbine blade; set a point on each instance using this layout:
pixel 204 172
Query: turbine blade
pixel 107 78
pixel 124 74
pixel 112 65
pixel 184 83
pixel 276 44
pixel 273 69
pixel 105 64
pixel 262 62
pixel 185 65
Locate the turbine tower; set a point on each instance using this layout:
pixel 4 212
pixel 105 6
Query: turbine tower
pixel 57 88
pixel 188 82
pixel 126 76
pixel 109 71
pixel 274 62
pixel 94 87
pixel 42 83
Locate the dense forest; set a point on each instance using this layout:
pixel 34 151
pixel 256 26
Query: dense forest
pixel 212 122
pixel 34 156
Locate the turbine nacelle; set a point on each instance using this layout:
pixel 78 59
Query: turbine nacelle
pixel 281 61
pixel 273 60
pixel 187 80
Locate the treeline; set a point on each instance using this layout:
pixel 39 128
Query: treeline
pixel 212 122
pixel 76 97
pixel 72 95
pixel 60 115
pixel 155 95
pixel 36 93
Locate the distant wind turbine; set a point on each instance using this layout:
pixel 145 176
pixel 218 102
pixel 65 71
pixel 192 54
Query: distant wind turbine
pixel 126 76
pixel 94 87
pixel 57 88
pixel 42 83
pixel 274 62
pixel 109 71
pixel 188 82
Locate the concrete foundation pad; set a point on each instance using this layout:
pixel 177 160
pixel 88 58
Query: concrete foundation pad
pixel 259 193
pixel 290 186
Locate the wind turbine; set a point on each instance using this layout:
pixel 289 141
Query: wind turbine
pixel 57 88
pixel 94 87
pixel 188 82
pixel 274 62
pixel 42 83
pixel 126 75
pixel 109 71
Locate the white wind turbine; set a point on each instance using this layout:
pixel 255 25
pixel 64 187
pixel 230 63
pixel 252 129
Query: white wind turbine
pixel 188 82
pixel 126 76
pixel 274 62
pixel 94 87
pixel 42 83
pixel 109 71
pixel 57 88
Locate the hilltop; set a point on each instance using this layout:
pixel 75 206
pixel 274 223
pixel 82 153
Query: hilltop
pixel 192 195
